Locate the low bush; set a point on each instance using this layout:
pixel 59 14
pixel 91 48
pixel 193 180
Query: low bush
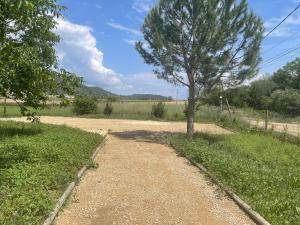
pixel 159 110
pixel 65 103
pixel 84 105
pixel 108 109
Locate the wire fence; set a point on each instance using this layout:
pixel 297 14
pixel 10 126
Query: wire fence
pixel 288 128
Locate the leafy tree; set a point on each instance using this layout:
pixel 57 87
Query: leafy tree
pixel 288 76
pixel 259 93
pixel 286 102
pixel 28 63
pixel 198 43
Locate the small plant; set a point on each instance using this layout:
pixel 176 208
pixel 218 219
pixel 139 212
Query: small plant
pixel 108 108
pixel 84 105
pixel 64 103
pixel 159 110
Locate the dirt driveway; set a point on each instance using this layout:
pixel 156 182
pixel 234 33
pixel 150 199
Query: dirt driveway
pixel 142 181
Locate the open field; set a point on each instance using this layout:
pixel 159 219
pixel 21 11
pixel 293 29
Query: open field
pixel 262 170
pixel 137 110
pixel 37 162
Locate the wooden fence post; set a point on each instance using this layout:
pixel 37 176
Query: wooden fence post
pixel 267 119
pixel 4 110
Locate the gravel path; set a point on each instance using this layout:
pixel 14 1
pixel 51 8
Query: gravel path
pixel 142 181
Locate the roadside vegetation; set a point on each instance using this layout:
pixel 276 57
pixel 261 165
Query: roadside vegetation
pixel 37 162
pixel 279 92
pixel 261 168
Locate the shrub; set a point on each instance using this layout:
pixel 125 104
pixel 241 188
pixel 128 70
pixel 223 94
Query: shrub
pixel 286 102
pixel 108 108
pixel 84 105
pixel 159 110
pixel 64 103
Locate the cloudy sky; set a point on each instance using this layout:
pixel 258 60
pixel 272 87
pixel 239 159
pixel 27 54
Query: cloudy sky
pixel 97 42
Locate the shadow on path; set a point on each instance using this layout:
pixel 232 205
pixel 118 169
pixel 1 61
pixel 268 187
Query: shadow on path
pixel 159 137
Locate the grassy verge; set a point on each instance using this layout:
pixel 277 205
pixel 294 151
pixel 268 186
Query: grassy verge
pixel 37 162
pixel 262 170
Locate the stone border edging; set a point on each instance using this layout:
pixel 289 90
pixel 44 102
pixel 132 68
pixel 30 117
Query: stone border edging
pixel 255 216
pixel 71 187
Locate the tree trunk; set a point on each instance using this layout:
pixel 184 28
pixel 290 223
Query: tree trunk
pixel 191 112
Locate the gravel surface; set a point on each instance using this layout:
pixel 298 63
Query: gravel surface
pixel 140 180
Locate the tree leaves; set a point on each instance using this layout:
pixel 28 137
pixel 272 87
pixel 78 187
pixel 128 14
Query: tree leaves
pixel 28 59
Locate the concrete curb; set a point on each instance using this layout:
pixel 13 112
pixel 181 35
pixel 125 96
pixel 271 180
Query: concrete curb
pixel 256 217
pixel 71 187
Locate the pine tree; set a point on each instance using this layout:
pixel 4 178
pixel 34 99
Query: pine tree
pixel 199 43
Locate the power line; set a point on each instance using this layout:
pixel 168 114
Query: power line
pixel 278 61
pixel 279 57
pixel 282 42
pixel 281 22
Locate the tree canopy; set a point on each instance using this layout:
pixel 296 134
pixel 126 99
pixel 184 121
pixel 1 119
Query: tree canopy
pixel 201 43
pixel 289 75
pixel 28 63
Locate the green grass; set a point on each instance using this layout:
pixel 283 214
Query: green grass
pixel 262 170
pixel 125 110
pixel 37 162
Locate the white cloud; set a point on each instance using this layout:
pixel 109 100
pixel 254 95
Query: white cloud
pixel 142 6
pixel 130 41
pixel 77 52
pixel 148 83
pixel 126 29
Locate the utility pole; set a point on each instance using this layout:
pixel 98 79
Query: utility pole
pixel 221 103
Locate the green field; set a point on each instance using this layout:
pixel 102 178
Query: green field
pixel 138 110
pixel 37 162
pixel 262 170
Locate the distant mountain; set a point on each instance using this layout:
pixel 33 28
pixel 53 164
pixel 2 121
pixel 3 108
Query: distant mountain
pixel 100 93
pixel 96 92
pixel 148 97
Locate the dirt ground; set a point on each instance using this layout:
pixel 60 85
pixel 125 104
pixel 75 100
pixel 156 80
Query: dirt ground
pixel 142 181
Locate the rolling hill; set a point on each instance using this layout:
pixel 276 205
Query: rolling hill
pixel 100 93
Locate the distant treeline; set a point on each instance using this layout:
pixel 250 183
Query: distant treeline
pixel 279 92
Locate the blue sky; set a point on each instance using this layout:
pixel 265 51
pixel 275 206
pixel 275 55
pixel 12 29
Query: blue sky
pixel 97 39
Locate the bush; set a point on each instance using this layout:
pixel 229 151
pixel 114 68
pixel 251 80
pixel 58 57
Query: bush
pixel 64 103
pixel 159 110
pixel 108 108
pixel 286 102
pixel 84 105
